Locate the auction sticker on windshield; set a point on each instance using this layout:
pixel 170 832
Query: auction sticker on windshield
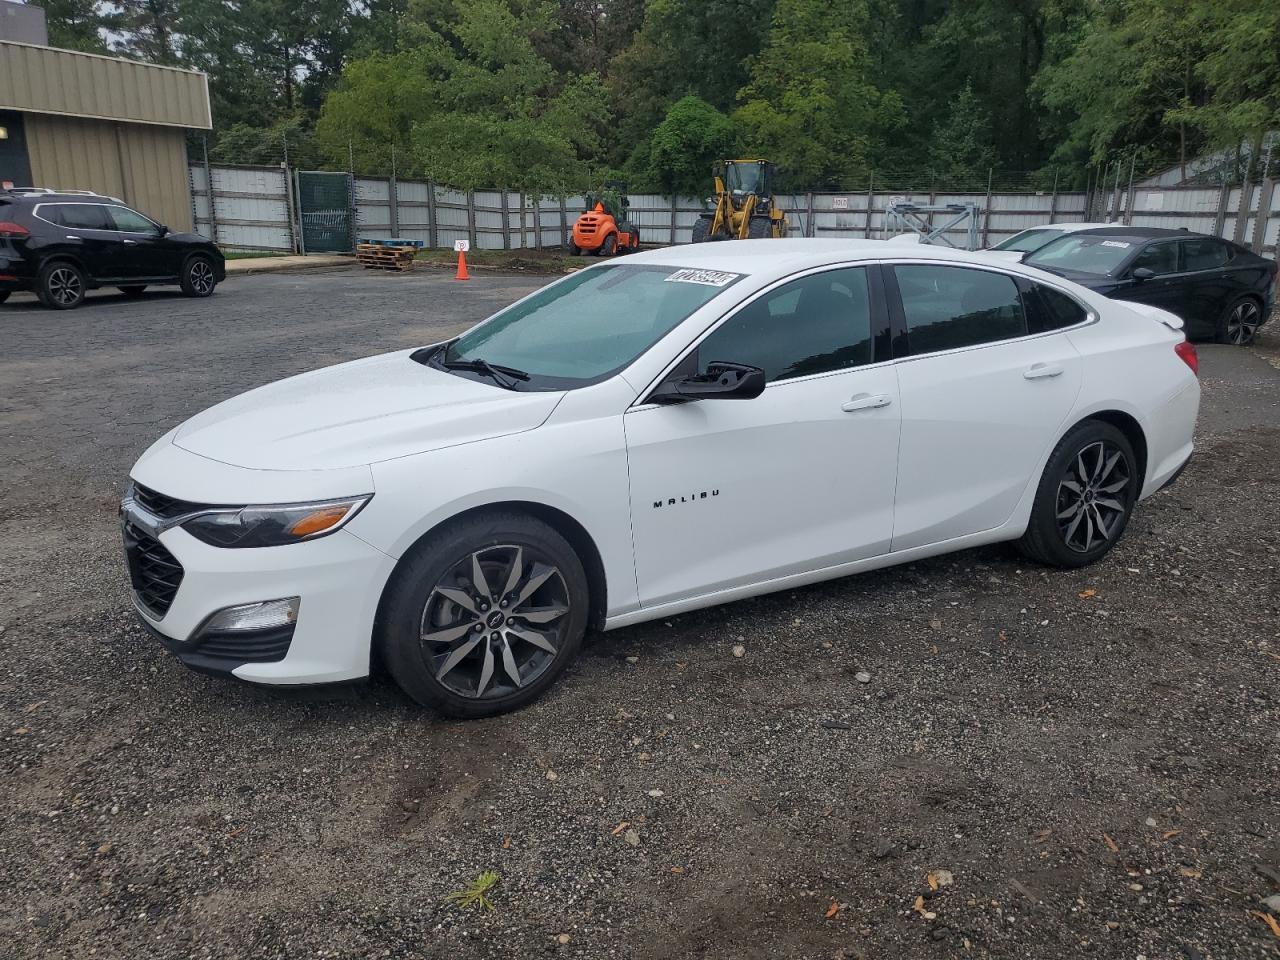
pixel 709 278
pixel 1116 243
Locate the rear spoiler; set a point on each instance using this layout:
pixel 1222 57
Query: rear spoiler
pixel 1170 320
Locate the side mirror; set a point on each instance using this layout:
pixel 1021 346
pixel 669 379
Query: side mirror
pixel 722 381
pixel 1143 274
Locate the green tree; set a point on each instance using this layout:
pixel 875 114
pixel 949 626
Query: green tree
pixel 472 104
pixel 1241 69
pixel 1128 82
pixel 148 29
pixel 685 147
pixel 75 24
pixel 290 139
pixel 810 105
pixel 960 150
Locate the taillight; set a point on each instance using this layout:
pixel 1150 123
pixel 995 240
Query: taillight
pixel 1187 351
pixel 12 231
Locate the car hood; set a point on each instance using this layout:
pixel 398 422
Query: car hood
pixel 358 413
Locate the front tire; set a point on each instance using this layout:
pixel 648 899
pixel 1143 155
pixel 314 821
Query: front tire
pixel 60 285
pixel 1239 322
pixel 198 277
pixel 1085 498
pixel 482 616
pixel 701 229
pixel 759 228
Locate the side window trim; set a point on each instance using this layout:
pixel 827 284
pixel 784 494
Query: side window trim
pixel 900 346
pixel 116 229
pixel 880 327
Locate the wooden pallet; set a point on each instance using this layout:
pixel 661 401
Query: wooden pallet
pixel 374 256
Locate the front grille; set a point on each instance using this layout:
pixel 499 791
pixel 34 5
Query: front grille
pixel 163 506
pixel 260 646
pixel 154 572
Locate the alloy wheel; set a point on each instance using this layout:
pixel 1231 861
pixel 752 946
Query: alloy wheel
pixel 65 286
pixel 1243 322
pixel 1092 496
pixel 201 275
pixel 495 621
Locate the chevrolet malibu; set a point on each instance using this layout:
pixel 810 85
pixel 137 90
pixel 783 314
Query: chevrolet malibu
pixel 681 429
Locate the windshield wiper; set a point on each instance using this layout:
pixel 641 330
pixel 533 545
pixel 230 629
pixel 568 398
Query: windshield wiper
pixel 503 376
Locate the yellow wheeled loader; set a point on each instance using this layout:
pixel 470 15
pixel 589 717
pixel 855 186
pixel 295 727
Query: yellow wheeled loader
pixel 744 205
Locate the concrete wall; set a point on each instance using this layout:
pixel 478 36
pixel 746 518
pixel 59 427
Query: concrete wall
pixel 143 165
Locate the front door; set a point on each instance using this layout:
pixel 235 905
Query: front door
pixel 144 253
pixel 726 493
pixel 1168 289
pixel 981 400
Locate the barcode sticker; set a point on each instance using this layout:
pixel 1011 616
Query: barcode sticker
pixel 710 278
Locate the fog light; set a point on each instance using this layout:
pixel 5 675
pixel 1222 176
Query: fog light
pixel 267 615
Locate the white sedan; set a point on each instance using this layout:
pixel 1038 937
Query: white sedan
pixel 1032 239
pixel 682 428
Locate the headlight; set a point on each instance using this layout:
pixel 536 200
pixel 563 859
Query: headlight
pixel 273 526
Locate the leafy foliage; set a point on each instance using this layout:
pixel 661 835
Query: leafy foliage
pixel 475 894
pixel 547 96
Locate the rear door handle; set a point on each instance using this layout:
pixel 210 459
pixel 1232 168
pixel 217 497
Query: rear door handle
pixel 132 243
pixel 866 402
pixel 1039 371
pixel 76 239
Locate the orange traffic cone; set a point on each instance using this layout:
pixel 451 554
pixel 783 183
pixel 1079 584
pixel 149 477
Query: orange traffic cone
pixel 462 267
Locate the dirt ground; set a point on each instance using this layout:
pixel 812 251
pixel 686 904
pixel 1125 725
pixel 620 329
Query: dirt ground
pixel 1085 764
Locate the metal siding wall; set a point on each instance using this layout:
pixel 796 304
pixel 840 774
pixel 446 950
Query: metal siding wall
pixel 145 166
pixel 72 154
pixel 48 80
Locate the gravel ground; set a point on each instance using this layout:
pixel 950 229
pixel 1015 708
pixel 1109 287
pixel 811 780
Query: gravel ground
pixel 1085 763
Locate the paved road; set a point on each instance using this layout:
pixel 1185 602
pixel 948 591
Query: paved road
pixel 1010 722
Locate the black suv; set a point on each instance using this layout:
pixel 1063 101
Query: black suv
pixel 61 244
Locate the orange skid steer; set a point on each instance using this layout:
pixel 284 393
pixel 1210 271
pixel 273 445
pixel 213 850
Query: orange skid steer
pixel 603 229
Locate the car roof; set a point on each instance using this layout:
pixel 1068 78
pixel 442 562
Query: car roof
pixel 789 254
pixel 1142 233
pixel 38 195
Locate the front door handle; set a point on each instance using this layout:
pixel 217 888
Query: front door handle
pixel 132 243
pixel 1039 371
pixel 866 401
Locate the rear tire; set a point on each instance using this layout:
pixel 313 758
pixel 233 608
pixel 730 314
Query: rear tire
pixel 575 250
pixel 1239 323
pixel 132 292
pixel 1085 497
pixel 198 277
pixel 701 229
pixel 532 609
pixel 60 285
pixel 610 245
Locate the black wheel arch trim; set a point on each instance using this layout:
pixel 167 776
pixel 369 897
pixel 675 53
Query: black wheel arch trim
pixel 580 540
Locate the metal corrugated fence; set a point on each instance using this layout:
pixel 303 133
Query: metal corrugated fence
pixel 255 208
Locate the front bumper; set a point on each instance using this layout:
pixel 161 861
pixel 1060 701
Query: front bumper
pixel 338 578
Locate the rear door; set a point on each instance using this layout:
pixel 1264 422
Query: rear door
pixel 86 231
pixel 1211 283
pixel 987 380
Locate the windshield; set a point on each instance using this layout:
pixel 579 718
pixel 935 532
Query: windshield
pixel 589 325
pixel 1082 253
pixel 1028 240
pixel 744 178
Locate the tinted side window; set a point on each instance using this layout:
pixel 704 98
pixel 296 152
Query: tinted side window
pixel 130 221
pixel 1204 254
pixel 1160 258
pixel 79 216
pixel 811 325
pixel 1048 309
pixel 949 307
